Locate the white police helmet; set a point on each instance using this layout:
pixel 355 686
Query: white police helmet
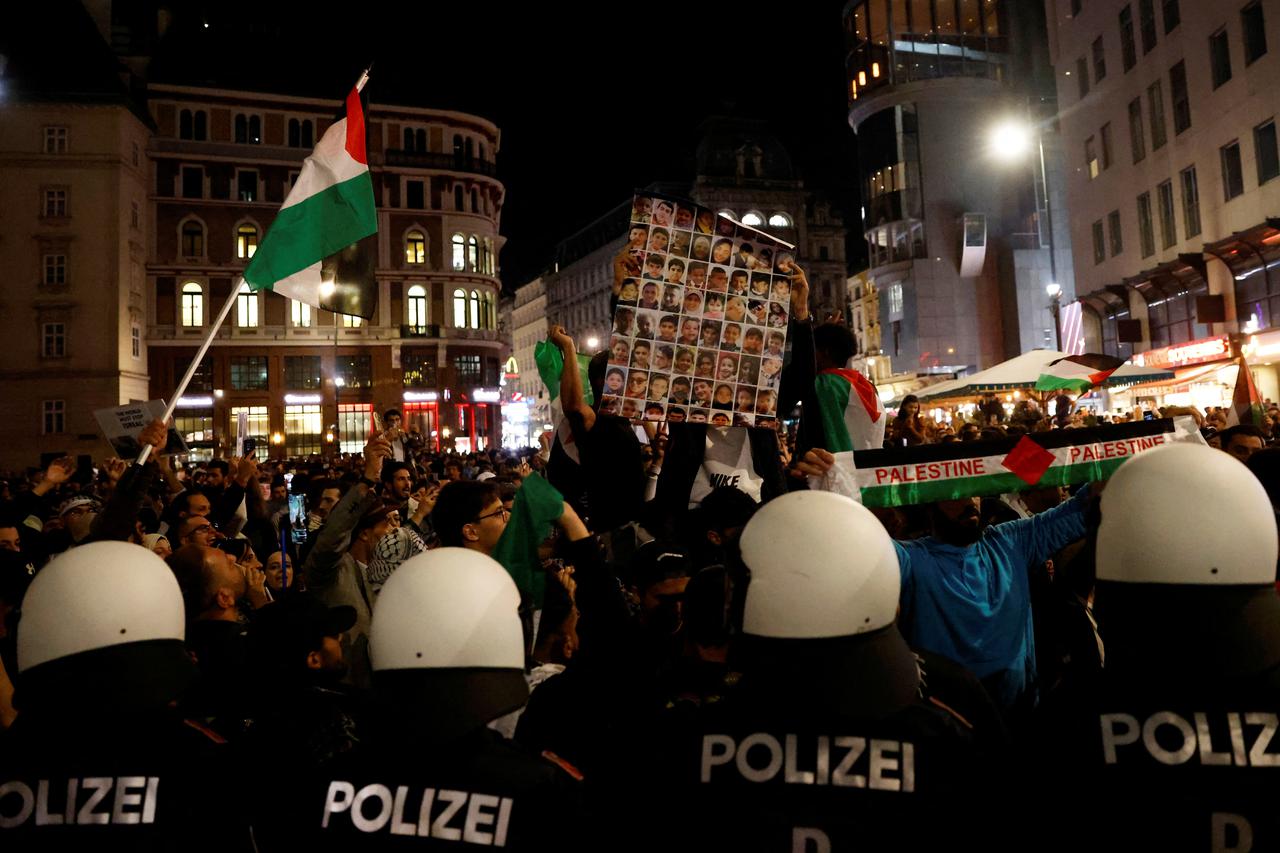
pixel 96 596
pixel 1186 514
pixel 448 608
pixel 821 566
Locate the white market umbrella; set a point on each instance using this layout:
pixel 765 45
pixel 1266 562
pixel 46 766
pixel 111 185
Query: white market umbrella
pixel 1021 373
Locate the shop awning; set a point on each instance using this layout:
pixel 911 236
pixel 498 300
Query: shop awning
pixel 1021 373
pixel 1182 379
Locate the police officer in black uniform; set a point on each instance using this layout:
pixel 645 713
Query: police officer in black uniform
pixel 97 759
pixel 1176 746
pixel 448 657
pixel 831 740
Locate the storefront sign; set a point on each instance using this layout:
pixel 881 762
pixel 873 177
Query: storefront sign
pixel 302 399
pixel 1193 352
pixel 420 396
pixel 480 395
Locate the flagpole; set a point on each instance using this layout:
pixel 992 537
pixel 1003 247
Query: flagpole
pixel 195 364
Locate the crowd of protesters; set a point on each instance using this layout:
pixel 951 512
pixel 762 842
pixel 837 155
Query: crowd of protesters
pixel 711 655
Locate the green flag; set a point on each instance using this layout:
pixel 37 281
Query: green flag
pixel 536 508
pixel 550 363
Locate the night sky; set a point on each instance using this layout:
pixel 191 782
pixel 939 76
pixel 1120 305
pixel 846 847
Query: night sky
pixel 591 104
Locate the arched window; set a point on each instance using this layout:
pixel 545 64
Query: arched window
pixel 484 257
pixel 457 147
pixel 192 305
pixel 242 128
pixel 474 245
pixel 471 149
pixel 408 139
pixel 295 133
pixel 185 126
pixel 475 310
pixel 752 218
pixel 488 311
pixel 481 150
pixel 457 197
pixel 201 125
pixel 192 239
pixel 246 307
pixel 246 240
pixel 255 130
pixel 301 312
pixel 780 220
pixel 418 309
pixel 727 212
pixel 308 133
pixel 459 253
pixel 460 309
pixel 420 141
pixel 475 201
pixel 490 261
pixel 415 247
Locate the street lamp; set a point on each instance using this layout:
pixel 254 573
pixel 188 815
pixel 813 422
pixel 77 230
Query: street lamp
pixel 1054 291
pixel 1010 141
pixel 592 343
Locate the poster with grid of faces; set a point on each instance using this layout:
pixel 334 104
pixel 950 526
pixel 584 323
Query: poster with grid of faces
pixel 699 333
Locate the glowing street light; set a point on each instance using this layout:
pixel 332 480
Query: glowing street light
pixel 592 343
pixel 1011 140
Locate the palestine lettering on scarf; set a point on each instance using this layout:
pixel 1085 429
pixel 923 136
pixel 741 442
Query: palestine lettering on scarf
pixel 1114 449
pixel 932 471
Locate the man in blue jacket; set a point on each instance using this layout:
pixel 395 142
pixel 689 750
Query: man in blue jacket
pixel 965 590
pixel 966 593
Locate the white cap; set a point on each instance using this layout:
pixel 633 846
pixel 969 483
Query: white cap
pixel 447 608
pixel 1186 514
pixel 98 595
pixel 821 566
pixel 485 475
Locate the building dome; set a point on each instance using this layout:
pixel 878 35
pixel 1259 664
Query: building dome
pixel 742 148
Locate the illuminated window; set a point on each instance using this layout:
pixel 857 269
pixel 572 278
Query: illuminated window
pixel 460 309
pixel 780 220
pixel 475 310
pixel 474 253
pixel 490 261
pixel 192 305
pixel 246 308
pixel 415 248
pixel 303 429
pixel 351 321
pixel 259 424
pixel 417 304
pixel 459 253
pixel 354 424
pixel 753 219
pixel 301 312
pixel 246 241
pixel 727 212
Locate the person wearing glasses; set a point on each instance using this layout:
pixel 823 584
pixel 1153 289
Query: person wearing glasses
pixel 470 514
pixel 197 530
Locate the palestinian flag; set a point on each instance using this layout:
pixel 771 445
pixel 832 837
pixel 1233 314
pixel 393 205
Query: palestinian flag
pixel 550 363
pixel 313 251
pixel 849 407
pixel 940 472
pixel 1076 374
pixel 1246 402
